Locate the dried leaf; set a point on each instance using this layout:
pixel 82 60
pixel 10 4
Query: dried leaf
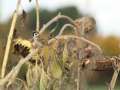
pixel 45 52
pixel 29 77
pixel 65 53
pixel 55 68
pixel 43 81
pixel 24 15
pixel 15 33
pixel 33 77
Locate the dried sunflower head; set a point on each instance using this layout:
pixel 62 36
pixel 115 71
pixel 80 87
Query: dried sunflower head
pixel 86 24
pixel 23 47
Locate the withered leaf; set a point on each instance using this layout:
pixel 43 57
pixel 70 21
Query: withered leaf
pixel 43 81
pixel 65 53
pixel 24 14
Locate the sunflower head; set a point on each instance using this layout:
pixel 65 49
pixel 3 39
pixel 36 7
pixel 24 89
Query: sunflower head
pixel 22 47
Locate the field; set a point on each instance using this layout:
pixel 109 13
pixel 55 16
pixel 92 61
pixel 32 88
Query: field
pixel 74 57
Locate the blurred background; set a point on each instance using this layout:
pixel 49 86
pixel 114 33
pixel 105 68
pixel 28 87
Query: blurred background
pixel 105 12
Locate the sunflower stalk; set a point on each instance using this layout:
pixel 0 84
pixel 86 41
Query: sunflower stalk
pixel 37 16
pixel 9 40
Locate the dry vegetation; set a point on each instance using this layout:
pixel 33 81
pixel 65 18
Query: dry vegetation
pixel 56 63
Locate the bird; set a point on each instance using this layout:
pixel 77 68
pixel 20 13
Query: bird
pixel 36 40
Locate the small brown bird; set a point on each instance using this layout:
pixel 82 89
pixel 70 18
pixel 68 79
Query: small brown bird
pixel 36 40
pixel 84 25
pixel 39 40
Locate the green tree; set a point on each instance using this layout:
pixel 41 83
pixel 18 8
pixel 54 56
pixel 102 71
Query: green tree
pixel 46 15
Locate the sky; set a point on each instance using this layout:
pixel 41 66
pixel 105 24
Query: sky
pixel 106 12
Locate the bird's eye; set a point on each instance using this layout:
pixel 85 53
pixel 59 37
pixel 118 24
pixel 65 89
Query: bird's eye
pixel 35 34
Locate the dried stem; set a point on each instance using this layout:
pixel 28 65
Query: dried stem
pixel 64 27
pixel 55 19
pixel 114 77
pixel 113 81
pixel 24 83
pixel 78 77
pixel 73 36
pixel 9 40
pixel 11 76
pixel 37 16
